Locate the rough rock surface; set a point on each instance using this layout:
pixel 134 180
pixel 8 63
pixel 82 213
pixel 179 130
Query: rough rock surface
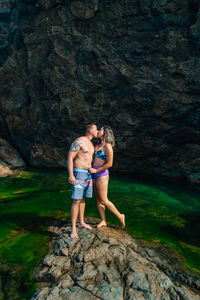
pixel 107 263
pixel 133 64
pixel 9 159
pixel 5 171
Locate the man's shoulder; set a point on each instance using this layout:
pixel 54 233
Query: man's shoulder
pixel 75 146
pixel 79 139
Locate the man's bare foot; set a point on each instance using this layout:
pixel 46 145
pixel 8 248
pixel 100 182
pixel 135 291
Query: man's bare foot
pixel 74 235
pixel 102 223
pixel 122 221
pixel 84 225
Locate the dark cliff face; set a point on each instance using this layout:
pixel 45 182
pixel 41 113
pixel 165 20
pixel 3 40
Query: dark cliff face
pixel 131 64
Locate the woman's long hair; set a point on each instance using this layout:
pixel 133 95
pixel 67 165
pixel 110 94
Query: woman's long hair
pixel 108 136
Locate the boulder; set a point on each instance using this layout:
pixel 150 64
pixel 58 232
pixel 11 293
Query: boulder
pixel 108 263
pixel 9 159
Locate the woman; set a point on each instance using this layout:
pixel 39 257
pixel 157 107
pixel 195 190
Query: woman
pixel 103 160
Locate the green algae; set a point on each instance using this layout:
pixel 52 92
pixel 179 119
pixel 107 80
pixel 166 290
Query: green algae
pixel 155 212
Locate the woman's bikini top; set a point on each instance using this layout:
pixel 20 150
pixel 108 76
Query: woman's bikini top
pixel 100 154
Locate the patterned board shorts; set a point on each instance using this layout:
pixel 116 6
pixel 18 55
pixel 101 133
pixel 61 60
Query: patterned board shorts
pixel 83 186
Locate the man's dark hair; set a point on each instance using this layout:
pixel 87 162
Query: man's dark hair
pixel 88 126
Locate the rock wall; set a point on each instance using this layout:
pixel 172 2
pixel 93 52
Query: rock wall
pixel 131 64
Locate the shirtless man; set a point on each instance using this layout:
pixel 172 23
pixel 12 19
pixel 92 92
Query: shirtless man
pixel 79 160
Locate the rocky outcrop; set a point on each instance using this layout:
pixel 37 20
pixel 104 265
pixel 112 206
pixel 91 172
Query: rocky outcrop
pixel 10 283
pixel 9 159
pixel 131 64
pixel 107 263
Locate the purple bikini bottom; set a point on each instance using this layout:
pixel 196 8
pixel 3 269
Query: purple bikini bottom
pixel 100 174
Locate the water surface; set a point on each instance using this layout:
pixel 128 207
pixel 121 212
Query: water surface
pixel 155 211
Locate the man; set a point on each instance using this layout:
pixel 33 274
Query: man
pixel 79 160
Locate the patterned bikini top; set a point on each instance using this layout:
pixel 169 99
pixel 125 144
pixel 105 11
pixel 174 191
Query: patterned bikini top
pixel 100 154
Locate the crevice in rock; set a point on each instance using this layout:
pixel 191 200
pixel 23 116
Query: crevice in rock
pixel 193 10
pixel 4 281
pixel 85 289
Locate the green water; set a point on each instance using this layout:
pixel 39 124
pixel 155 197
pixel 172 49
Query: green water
pixel 155 211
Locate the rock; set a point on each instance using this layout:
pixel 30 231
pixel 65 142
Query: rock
pixel 9 156
pixel 84 9
pixel 10 282
pixel 9 159
pixel 108 263
pixel 195 28
pixel 6 10
pixel 5 171
pixel 133 65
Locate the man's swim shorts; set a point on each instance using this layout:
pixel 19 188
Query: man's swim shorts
pixel 83 186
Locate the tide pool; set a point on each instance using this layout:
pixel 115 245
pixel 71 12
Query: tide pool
pixel 156 211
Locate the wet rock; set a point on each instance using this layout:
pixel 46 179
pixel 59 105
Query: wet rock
pixel 107 263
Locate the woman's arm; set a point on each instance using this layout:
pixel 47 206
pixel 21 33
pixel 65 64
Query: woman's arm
pixel 109 160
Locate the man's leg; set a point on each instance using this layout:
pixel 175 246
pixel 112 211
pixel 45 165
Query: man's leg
pixel 74 215
pixel 81 215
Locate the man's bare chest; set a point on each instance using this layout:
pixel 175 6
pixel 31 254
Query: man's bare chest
pixel 87 149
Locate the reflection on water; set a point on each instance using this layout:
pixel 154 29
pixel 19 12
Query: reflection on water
pixel 155 211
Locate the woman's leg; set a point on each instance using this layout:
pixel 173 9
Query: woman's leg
pixel 101 186
pixel 101 208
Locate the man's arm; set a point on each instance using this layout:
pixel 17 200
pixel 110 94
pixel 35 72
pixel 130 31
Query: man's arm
pixel 74 149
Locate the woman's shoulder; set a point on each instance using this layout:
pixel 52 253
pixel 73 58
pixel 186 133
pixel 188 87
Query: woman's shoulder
pixel 108 146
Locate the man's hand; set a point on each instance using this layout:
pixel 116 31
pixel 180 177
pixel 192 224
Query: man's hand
pixel 92 171
pixel 72 180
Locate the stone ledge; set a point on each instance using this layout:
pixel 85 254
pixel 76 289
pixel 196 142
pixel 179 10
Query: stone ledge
pixel 108 263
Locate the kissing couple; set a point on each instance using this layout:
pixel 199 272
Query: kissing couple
pixel 88 164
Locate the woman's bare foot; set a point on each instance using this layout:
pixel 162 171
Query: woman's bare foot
pixel 102 223
pixel 122 221
pixel 84 225
pixel 74 235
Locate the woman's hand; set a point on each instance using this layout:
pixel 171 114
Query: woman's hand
pixel 92 171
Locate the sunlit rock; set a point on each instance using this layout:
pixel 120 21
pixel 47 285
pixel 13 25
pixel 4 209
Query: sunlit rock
pixel 107 263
